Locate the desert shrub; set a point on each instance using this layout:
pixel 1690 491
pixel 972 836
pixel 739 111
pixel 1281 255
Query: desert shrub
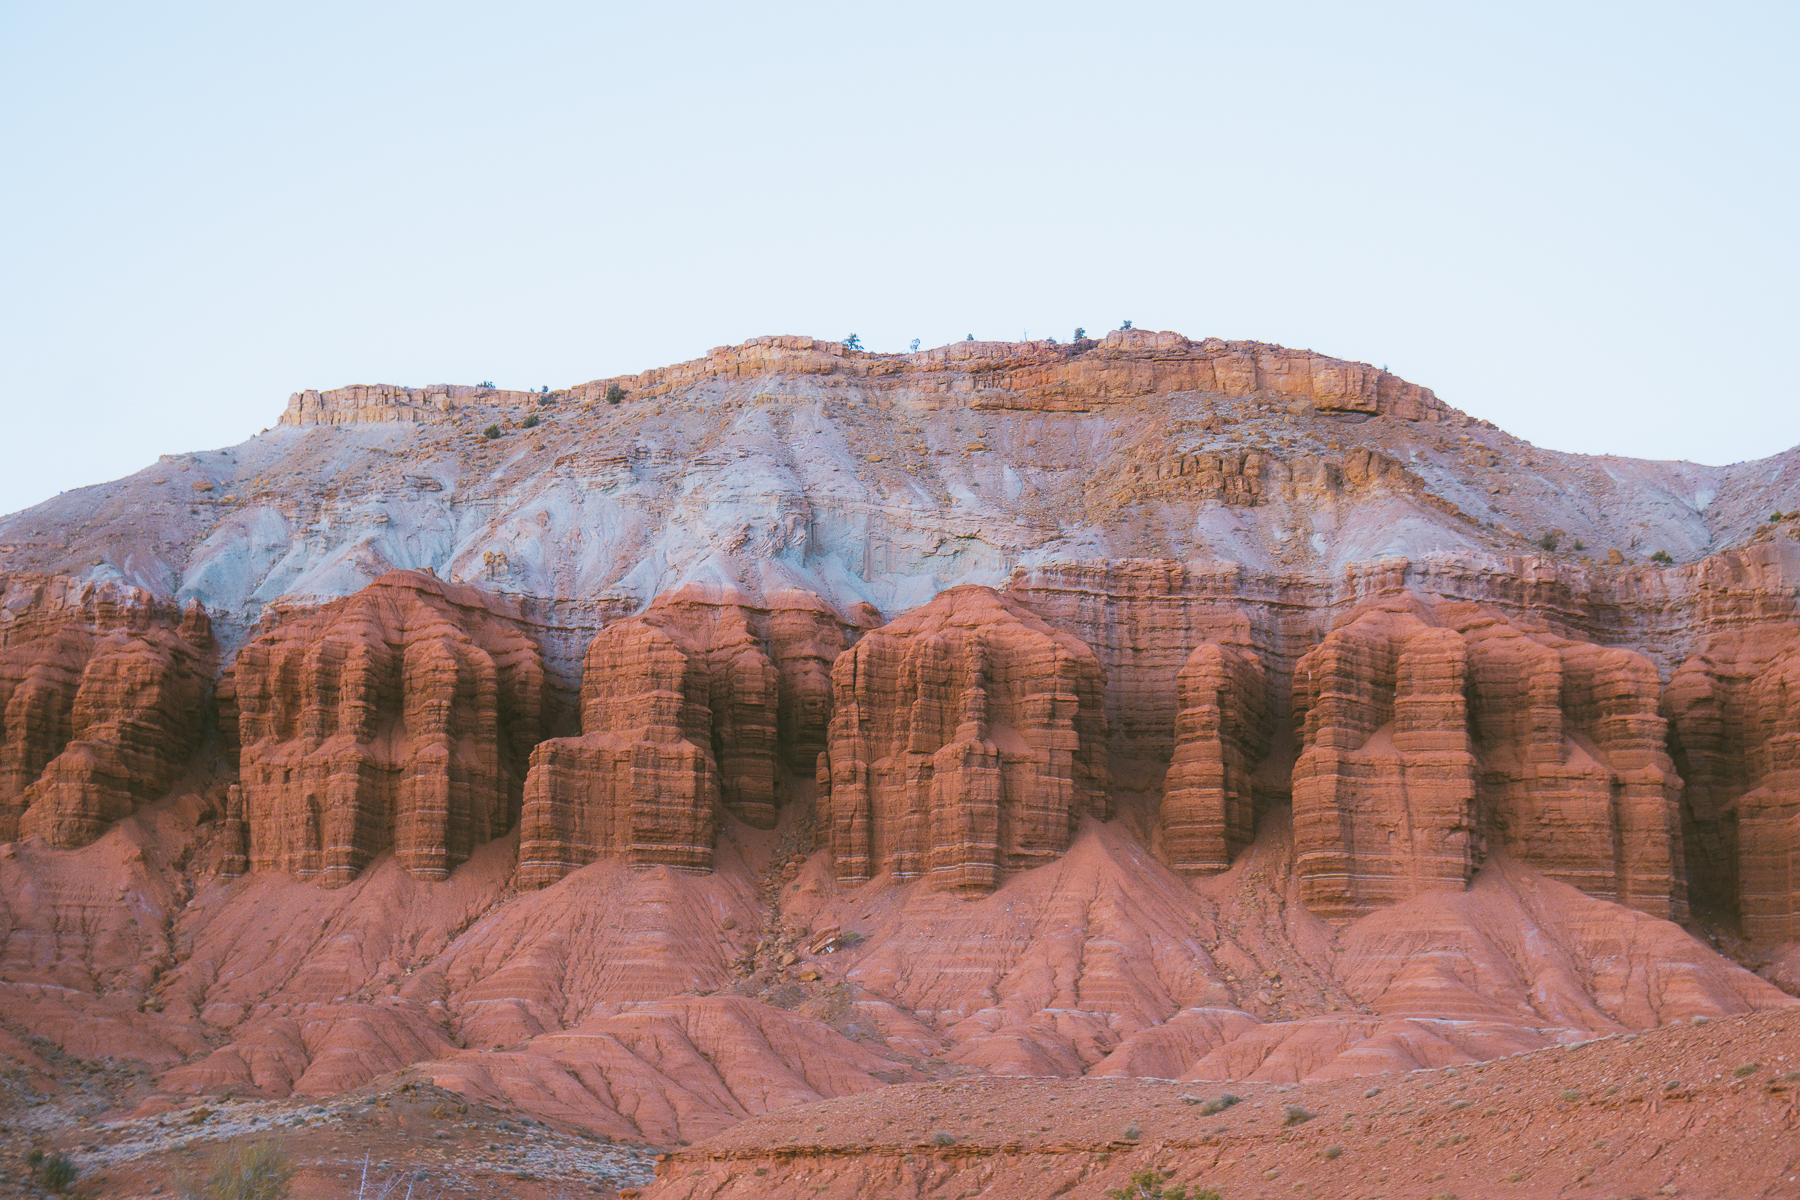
pixel 488 384
pixel 615 393
pixel 1218 1105
pixel 1293 1114
pixel 1550 540
pixel 530 422
pixel 1371 1093
pixel 853 342
pixel 54 1170
pixel 1147 1184
pixel 1746 1069
pixel 1080 333
pixel 1570 1094
pixel 1578 546
pixel 1333 1151
pixel 1662 557
pixel 492 431
pixel 941 1138
pixel 970 338
pixel 1132 1132
pixel 257 1171
pixel 1777 515
pixel 1126 325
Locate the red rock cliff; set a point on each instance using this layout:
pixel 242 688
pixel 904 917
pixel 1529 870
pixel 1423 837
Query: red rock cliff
pixel 102 700
pixel 695 703
pixel 397 718
pixel 1431 730
pixel 967 740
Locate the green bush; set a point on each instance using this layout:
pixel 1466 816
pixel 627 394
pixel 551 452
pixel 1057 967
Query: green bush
pixel 1293 1114
pixel 615 393
pixel 491 432
pixel 258 1171
pixel 1746 1069
pixel 1550 540
pixel 1147 1184
pixel 941 1138
pixel 54 1170
pixel 529 422
pixel 1662 557
pixel 1218 1105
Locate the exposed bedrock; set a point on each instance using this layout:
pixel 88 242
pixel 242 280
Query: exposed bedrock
pixel 1734 713
pixel 1431 731
pixel 102 701
pixel 397 718
pixel 1222 730
pixel 968 739
pixel 699 702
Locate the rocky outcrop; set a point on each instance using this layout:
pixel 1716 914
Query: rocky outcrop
pixel 397 718
pixel 1222 730
pixel 1430 733
pixel 362 403
pixel 102 701
pixel 1734 714
pixel 967 740
pixel 700 702
pixel 1040 375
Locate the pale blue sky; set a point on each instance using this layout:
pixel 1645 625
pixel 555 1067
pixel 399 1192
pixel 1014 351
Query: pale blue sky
pixel 1576 220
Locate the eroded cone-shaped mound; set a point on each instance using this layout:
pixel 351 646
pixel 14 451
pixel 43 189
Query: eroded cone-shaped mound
pixel 1221 732
pixel 399 717
pixel 1734 711
pixel 102 700
pixel 967 740
pixel 692 704
pixel 1431 731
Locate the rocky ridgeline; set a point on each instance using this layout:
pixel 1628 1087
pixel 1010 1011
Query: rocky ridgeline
pixel 1039 375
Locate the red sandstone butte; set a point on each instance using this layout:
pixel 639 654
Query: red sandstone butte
pixel 395 719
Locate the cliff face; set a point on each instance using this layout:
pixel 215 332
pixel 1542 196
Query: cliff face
pixel 695 705
pixel 967 741
pixel 102 695
pixel 396 719
pixel 1734 713
pixel 1435 733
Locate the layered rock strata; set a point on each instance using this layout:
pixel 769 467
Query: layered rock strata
pixel 1222 730
pixel 102 701
pixel 697 703
pixel 1734 713
pixel 1432 731
pixel 397 718
pixel 967 740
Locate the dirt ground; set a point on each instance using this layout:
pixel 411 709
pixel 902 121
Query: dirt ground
pixel 1698 1110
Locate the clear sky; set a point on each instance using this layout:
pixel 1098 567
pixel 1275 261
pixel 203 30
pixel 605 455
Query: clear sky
pixel 1576 220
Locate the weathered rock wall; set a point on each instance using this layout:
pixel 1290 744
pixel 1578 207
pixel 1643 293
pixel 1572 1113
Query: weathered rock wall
pixel 967 741
pixel 1432 732
pixel 1734 715
pixel 102 701
pixel 700 701
pixel 397 718
pixel 1222 730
